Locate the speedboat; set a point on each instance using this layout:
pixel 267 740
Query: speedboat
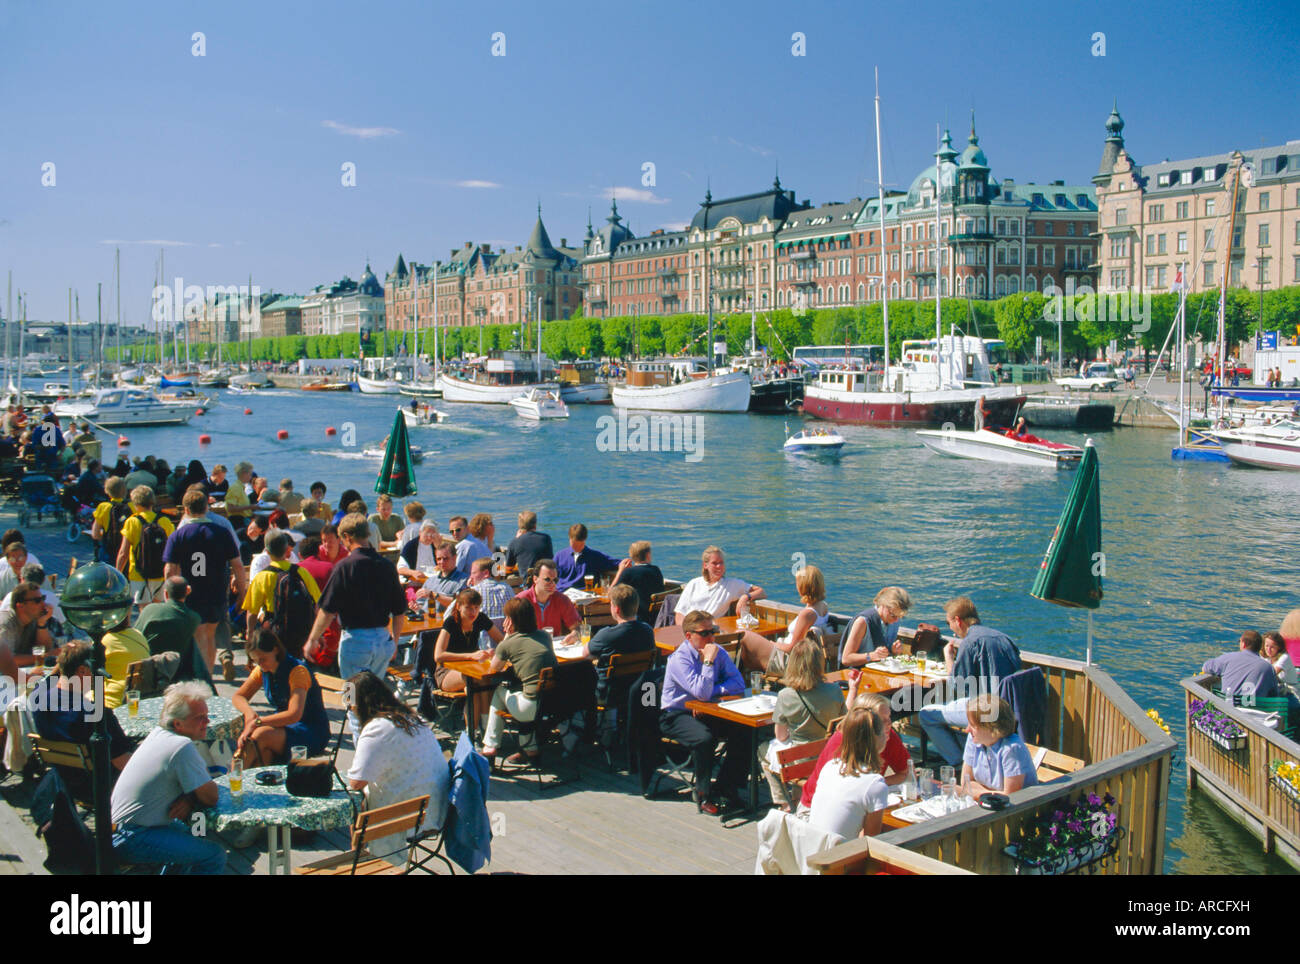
pixel 1275 446
pixel 377 452
pixel 816 441
pixel 113 407
pixel 537 405
pixel 189 398
pixel 326 385
pixel 424 415
pixel 1007 448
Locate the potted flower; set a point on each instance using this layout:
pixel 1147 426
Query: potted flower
pixel 1068 839
pixel 1154 715
pixel 1285 777
pixel 1218 727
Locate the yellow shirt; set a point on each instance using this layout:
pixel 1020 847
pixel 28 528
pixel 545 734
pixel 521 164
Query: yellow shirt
pixel 261 591
pixel 121 649
pixel 104 512
pixel 133 528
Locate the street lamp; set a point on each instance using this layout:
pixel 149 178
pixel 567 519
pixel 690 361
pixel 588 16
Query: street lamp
pixel 97 598
pixel 1259 265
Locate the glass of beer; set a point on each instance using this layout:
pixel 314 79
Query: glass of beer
pixel 38 655
pixel 298 753
pixel 586 633
pixel 236 776
pixel 589 582
pixel 133 702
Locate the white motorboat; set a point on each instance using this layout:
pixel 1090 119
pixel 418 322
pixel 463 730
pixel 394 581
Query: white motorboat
pixel 377 386
pixel 681 385
pixel 538 405
pixel 817 441
pixel 377 452
pixel 423 415
pixel 114 407
pixel 188 398
pixel 1009 449
pixel 1275 446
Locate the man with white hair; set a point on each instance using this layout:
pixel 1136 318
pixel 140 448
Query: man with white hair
pixel 162 784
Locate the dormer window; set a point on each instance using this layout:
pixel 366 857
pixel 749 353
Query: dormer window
pixel 1163 180
pixel 1185 177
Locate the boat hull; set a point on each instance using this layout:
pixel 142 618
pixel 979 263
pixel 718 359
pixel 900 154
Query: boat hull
pixel 990 447
pixel 728 392
pixel 780 396
pixel 912 408
pixel 459 390
pixel 153 415
pixel 377 386
pixel 592 393
pixel 1262 454
pixel 1068 413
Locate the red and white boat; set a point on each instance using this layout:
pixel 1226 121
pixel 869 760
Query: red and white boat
pixel 1005 447
pixel 929 386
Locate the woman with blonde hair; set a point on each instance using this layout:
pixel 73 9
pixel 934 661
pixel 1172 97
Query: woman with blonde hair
pixel 852 794
pixel 804 711
pixel 873 634
pixel 1290 631
pixel 772 655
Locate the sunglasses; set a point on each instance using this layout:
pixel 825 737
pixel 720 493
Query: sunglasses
pixel 706 632
pixel 35 600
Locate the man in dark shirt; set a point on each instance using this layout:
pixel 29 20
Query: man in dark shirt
pixel 1244 671
pixel 364 592
pixel 627 635
pixel 170 626
pixel 637 572
pixel 252 539
pixel 528 545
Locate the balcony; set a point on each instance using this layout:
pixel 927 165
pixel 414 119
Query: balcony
pixel 668 272
pixel 1071 268
pixel 597 301
pixel 970 236
pixel 806 283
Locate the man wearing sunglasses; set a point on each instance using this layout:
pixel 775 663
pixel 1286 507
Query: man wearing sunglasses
pixel 23 627
pixel 700 670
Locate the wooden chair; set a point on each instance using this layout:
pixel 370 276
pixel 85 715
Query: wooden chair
pixel 60 753
pixel 795 764
pixel 137 678
pixel 540 725
pixel 657 602
pixel 1050 765
pixel 730 644
pixel 396 818
pixel 622 667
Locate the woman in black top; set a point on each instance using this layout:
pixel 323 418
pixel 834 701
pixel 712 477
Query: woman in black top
pixel 459 639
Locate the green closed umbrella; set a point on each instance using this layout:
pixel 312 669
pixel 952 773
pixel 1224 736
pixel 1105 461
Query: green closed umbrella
pixel 1073 566
pixel 397 473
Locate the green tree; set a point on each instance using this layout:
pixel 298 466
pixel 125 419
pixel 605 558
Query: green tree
pixel 1019 318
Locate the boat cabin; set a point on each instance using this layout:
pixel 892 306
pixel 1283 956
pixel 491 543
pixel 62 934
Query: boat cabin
pixel 576 372
pixel 958 361
pixel 664 371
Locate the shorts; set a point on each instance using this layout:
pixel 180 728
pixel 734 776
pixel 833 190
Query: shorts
pixel 209 612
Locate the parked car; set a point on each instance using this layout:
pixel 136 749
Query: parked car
pixel 1099 377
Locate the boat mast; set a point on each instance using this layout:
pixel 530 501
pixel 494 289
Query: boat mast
pixel 1223 286
pixel 708 279
pixel 22 338
pixel 99 334
pixel 9 323
pixel 70 335
pixel 1182 361
pixel 434 356
pixel 117 273
pixel 539 337
pixel 880 178
pixel 938 227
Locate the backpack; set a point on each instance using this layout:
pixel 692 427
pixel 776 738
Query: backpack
pixel 117 516
pixel 149 550
pixel 295 611
pixel 69 842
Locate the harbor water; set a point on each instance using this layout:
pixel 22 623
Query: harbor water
pixel 1194 552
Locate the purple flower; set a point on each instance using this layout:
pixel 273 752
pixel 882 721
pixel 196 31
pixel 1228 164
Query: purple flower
pixel 1094 800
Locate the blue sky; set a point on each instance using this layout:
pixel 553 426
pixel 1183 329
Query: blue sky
pixel 234 158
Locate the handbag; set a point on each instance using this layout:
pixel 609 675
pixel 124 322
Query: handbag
pixel 310 778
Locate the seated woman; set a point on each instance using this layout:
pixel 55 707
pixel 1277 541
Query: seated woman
pixel 713 592
pixel 299 711
pixel 461 638
pixel 852 794
pixel 398 758
pixel 1275 652
pixel 996 758
pixel 349 496
pixel 804 711
pixel 873 634
pixel 773 655
pixel 527 650
pixel 894 756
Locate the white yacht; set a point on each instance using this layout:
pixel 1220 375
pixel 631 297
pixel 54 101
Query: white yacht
pixel 114 407
pixel 538 405
pixel 1275 446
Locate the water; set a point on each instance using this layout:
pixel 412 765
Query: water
pixel 1195 552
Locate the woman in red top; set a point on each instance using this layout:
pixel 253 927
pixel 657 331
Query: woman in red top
pixel 894 756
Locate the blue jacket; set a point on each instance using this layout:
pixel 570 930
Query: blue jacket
pixel 985 658
pixel 468 834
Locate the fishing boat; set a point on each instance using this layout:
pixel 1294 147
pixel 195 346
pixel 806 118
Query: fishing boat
pixel 327 385
pixel 538 405
pixel 377 386
pixel 504 376
pixel 817 441
pixel 251 380
pixel 681 385
pixel 219 378
pixel 114 407
pixel 1275 446
pixel 771 392
pixel 579 385
pixel 1007 448
pixel 423 415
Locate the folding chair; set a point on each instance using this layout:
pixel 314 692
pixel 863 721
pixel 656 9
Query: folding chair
pixel 540 725
pixel 70 756
pixel 623 669
pixel 384 822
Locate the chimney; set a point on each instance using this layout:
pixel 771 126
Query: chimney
pixel 468 245
pixel 564 242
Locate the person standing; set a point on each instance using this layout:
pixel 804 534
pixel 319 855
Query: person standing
pixel 108 519
pixel 137 554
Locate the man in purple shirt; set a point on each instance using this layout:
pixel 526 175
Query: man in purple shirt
pixel 700 670
pixel 1244 672
pixel 578 560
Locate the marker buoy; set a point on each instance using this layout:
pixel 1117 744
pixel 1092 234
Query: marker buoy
pixel 198 411
pixel 248 411
pixel 330 430
pixel 205 439
pixel 123 441
pixel 282 434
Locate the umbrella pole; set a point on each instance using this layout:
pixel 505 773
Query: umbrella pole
pixel 1089 659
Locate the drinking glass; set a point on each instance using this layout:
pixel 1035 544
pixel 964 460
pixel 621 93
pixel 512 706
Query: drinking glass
pixel 236 776
pixel 132 702
pixel 907 790
pixel 586 631
pixel 298 753
pixel 756 682
pixel 949 797
pixel 947 774
pixel 925 782
pixel 38 653
pixel 589 582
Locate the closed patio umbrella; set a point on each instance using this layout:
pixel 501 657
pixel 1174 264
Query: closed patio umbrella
pixel 397 471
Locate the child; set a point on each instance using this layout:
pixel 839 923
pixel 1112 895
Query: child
pixel 996 758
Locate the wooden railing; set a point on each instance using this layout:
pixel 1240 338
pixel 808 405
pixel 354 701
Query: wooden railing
pixel 1125 754
pixel 1239 780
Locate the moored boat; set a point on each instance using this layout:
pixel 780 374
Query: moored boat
pixel 504 376
pixel 377 386
pixel 1060 411
pixel 1275 446
pixel 676 385
pixel 538 405
pixel 327 385
pixel 578 384
pixel 113 407
pixel 1007 448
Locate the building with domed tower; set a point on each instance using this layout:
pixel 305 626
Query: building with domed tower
pixel 995 237
pixel 1240 208
pixel 344 306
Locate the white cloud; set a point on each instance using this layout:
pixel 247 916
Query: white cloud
pixel 364 133
pixel 762 151
pixel 474 183
pixel 633 194
pixel 154 244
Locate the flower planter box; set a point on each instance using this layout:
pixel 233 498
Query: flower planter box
pixel 1284 787
pixel 1229 744
pixel 1049 866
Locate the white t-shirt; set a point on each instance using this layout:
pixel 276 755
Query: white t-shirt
pixel 712 598
pixel 842 803
pixel 9 578
pixel 396 767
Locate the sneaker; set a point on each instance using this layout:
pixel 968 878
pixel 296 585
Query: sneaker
pixel 228 666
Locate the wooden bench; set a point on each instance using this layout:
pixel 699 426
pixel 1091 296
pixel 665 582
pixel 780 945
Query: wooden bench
pixel 396 818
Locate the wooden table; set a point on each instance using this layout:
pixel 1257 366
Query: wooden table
pixel 224 721
pixel 668 638
pixel 479 678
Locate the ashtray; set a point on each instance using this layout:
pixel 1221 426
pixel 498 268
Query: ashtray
pixel 995 801
pixel 269 778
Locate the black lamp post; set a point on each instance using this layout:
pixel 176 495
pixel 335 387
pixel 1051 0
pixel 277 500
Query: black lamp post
pixel 96 598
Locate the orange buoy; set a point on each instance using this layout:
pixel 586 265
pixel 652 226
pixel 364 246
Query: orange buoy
pixel 282 434
pixel 205 439
pixel 330 430
pixel 248 411
pixel 198 411
pixel 123 441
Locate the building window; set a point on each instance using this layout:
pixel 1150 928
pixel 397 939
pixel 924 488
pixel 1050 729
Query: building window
pixel 860 291
pixel 1207 277
pixel 1001 255
pixel 1264 265
pixel 1118 278
pixel 1182 242
pixel 1151 277
pixel 893 262
pixel 1160 244
pixel 1297 232
pixel 1209 240
pixel 871 263
pixel 1031 284
pixel 1049 257
pixel 1048 228
pixel 1001 227
pixel 1069 229
pixel 1151 244
pixel 1209 207
pixel 1156 212
pixel 1295 274
pixel 1031 255
pixel 861 264
pixel 1180 210
pixel 1263 235
pixel 1162 276
pixel 1029 228
pixel 1121 216
pixel 1263 200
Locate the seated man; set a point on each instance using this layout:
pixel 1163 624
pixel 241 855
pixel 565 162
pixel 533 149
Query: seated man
pixel 311 523
pixel 122 647
pixel 162 784
pixel 627 635
pixel 578 560
pixel 983 658
pixel 554 610
pixel 385 524
pixel 1244 672
pixel 699 670
pixel 638 572
pixel 445 581
pixel 528 545
pixel 418 556
pixel 22 627
pixel 169 626
pixel 495 594
pixel 61 710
